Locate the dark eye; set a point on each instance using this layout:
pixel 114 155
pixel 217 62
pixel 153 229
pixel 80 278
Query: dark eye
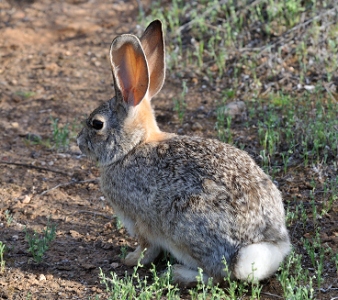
pixel 97 124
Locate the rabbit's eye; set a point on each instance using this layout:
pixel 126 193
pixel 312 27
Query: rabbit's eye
pixel 97 124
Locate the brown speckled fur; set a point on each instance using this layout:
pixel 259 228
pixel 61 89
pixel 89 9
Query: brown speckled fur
pixel 200 199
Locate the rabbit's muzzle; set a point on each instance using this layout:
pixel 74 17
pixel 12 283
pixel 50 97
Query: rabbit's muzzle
pixel 80 140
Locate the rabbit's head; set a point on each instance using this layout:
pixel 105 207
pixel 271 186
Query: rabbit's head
pixel 117 126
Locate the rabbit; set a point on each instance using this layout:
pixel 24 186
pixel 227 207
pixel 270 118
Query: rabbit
pixel 201 200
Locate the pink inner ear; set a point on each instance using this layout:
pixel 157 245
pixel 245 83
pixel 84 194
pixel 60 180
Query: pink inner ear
pixel 153 46
pixel 130 69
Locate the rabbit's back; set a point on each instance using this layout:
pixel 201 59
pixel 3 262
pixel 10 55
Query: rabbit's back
pixel 197 192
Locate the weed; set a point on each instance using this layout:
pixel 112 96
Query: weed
pixel 2 261
pixel 335 259
pixel 118 223
pixel 60 135
pixel 25 94
pixel 8 217
pixel 223 133
pixel 124 251
pixel 180 103
pixel 295 280
pixel 133 287
pixel 39 244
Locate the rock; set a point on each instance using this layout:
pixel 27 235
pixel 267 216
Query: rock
pixel 114 265
pixel 42 277
pixel 26 199
pixel 235 109
pixel 180 131
pixel 49 276
pixel 309 88
pixel 196 127
pixel 186 126
pixel 88 266
pixel 15 124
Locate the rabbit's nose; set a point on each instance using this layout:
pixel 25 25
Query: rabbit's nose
pixel 81 145
pixel 79 139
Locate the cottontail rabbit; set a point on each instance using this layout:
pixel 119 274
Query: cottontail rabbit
pixel 199 199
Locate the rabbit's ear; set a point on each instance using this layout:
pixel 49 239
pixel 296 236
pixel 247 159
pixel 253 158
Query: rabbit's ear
pixel 153 46
pixel 130 70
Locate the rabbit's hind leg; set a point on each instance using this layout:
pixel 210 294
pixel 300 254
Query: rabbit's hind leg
pixel 259 261
pixel 149 255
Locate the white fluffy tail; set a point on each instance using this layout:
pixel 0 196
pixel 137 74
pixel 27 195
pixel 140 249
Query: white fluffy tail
pixel 259 261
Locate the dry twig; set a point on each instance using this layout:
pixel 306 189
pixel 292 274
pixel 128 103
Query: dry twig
pixel 68 183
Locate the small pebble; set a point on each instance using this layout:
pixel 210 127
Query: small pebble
pixel 234 109
pixel 196 126
pixel 26 199
pixel 49 276
pixel 114 265
pixel 42 277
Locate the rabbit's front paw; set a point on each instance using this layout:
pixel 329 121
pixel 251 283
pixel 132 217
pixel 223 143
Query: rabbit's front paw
pixel 184 276
pixel 144 255
pixel 133 258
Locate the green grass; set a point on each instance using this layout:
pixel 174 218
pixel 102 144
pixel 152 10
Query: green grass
pixel 25 94
pixel 60 138
pixel 159 285
pixel 2 261
pixel 134 287
pixel 290 130
pixel 180 104
pixel 8 217
pixel 221 31
pixel 60 135
pixel 39 243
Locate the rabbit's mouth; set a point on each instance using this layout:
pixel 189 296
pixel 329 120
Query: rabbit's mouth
pixel 84 148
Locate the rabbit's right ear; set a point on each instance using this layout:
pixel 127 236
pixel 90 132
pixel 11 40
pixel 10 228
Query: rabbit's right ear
pixel 130 70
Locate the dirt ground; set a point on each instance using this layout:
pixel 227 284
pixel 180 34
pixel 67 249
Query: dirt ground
pixel 54 64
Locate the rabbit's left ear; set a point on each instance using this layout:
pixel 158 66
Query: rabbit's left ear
pixel 130 70
pixel 153 47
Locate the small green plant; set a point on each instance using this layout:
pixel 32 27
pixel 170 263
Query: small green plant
pixel 8 217
pixel 39 244
pixel 29 296
pixel 180 103
pixel 118 223
pixel 223 127
pixel 60 135
pixel 2 261
pixel 25 94
pixel 124 251
pixel 134 287
pixel 295 280
pixel 316 252
pixel 335 259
